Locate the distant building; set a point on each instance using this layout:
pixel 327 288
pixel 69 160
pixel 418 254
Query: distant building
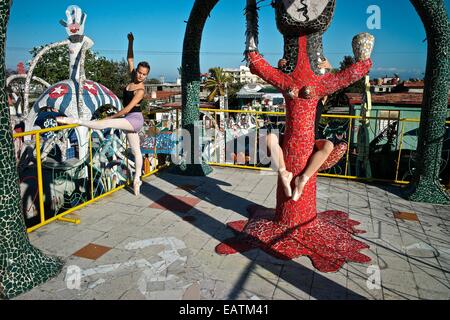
pixel 411 87
pixel 162 93
pixel 155 87
pixel 243 75
pixel 257 96
pixel 384 85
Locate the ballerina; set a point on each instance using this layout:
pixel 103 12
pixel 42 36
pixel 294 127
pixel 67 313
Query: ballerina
pixel 130 118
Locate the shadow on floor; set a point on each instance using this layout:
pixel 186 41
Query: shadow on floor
pixel 208 189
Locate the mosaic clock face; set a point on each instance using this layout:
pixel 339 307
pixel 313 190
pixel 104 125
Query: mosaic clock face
pixel 305 10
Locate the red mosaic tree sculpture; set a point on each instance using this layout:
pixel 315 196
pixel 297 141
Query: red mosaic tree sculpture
pixel 295 228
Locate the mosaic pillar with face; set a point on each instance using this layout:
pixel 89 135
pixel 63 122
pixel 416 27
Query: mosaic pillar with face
pixel 296 227
pixel 308 18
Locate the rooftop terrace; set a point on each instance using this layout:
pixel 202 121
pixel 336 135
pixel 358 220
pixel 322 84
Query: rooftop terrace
pixel 160 245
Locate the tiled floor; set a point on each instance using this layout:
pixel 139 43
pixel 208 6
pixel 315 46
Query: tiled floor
pixel 175 203
pixel 160 245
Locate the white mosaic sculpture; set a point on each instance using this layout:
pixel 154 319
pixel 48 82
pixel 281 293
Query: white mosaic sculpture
pixel 76 97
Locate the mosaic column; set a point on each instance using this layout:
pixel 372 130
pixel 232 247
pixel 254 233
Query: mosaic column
pixel 295 228
pixel 195 165
pixel 426 186
pixel 22 266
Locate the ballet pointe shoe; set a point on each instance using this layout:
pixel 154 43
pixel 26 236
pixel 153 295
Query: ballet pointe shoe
pixel 300 183
pixel 286 178
pixel 137 186
pixel 67 120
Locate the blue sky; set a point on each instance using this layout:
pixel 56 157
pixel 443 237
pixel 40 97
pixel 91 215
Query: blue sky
pixel 158 26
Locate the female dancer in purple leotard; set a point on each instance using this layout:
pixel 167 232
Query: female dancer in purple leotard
pixel 130 118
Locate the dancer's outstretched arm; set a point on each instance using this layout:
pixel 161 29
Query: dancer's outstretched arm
pixel 130 55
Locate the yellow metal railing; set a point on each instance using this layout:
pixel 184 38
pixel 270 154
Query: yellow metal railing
pixel 347 155
pixel 62 216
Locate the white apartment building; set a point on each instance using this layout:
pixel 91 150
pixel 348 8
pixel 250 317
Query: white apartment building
pixel 243 75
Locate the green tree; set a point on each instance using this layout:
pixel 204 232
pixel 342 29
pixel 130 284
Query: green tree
pixel 357 87
pixel 347 62
pixel 233 89
pixel 145 105
pixel 112 74
pixel 216 82
pixel 54 67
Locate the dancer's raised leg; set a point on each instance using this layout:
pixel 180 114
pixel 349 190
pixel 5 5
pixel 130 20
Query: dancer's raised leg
pixel 277 157
pixel 324 148
pixel 121 124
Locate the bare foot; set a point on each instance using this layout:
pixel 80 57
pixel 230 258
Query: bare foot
pixel 137 186
pixel 300 183
pixel 67 120
pixel 286 178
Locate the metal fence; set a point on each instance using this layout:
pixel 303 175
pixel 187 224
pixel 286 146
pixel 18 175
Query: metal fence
pixel 60 172
pixel 62 169
pixel 378 149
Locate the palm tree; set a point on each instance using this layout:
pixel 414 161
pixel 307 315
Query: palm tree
pixel 22 266
pixel 217 82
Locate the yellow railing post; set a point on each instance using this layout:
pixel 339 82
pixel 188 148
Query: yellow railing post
pixel 39 174
pixel 127 162
pixel 91 163
pixel 216 127
pixel 61 216
pixel 350 128
pixel 256 141
pixel 155 151
pixel 178 137
pixel 400 152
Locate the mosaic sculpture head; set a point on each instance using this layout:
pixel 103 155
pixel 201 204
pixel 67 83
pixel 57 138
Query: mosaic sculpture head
pixel 76 19
pixel 303 17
